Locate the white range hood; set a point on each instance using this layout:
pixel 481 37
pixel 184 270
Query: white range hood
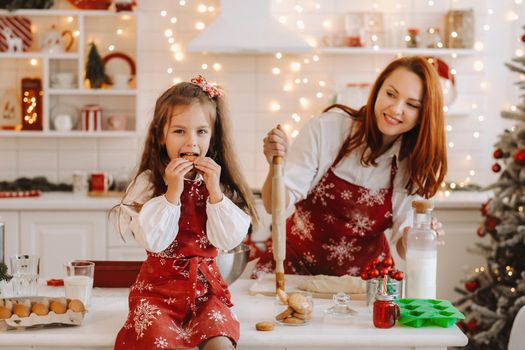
pixel 247 26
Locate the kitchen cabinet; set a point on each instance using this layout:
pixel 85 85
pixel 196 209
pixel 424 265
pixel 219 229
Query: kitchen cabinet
pixel 115 35
pixel 11 226
pixel 62 226
pixel 59 237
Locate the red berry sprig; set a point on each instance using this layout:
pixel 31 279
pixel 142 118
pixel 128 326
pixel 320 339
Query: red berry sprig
pixel 378 268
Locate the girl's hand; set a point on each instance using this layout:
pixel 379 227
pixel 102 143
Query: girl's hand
pixel 174 177
pixel 211 172
pixel 275 144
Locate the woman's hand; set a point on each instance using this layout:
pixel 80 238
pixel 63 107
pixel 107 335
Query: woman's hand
pixel 275 144
pixel 211 172
pixel 438 229
pixel 174 177
pixel 435 225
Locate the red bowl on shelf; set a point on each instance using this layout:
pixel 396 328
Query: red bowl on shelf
pixel 91 4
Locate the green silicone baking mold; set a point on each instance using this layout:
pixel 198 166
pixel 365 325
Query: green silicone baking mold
pixel 427 312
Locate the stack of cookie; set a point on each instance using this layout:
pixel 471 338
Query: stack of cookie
pixel 299 307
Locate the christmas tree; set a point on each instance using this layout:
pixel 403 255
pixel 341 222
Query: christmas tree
pixel 95 71
pixel 493 294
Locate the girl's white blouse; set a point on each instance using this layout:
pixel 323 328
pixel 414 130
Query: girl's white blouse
pixel 156 225
pixel 315 149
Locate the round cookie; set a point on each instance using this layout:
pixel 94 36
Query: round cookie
pixel 190 156
pixel 281 316
pixel 305 317
pixel 265 326
pixel 293 320
pixel 299 303
pixel 283 297
pixel 76 306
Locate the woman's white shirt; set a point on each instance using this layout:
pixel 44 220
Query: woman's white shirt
pixel 314 151
pixel 156 225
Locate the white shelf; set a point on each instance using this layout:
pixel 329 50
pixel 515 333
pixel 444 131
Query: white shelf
pixel 62 134
pixel 30 55
pixel 92 92
pixel 72 12
pixel 395 51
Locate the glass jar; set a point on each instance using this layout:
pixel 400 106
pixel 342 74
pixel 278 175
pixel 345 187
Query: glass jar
pixel 393 288
pixel 412 38
pixel 386 312
pixel 459 29
pixel 433 38
pixel 297 311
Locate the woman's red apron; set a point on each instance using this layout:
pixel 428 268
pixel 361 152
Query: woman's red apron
pixel 336 230
pixel 180 298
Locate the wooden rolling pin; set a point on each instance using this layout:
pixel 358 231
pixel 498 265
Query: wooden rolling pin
pixel 278 221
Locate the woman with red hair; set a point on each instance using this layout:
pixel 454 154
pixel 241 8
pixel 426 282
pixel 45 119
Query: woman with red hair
pixel 352 174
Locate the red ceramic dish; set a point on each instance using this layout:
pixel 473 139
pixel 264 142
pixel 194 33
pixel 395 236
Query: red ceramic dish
pixel 91 4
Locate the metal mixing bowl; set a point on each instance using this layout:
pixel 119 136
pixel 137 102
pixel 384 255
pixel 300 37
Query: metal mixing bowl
pixel 232 263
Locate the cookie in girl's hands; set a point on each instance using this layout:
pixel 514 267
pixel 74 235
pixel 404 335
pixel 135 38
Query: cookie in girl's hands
pixel 190 156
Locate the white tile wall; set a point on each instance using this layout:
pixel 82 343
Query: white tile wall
pixel 251 86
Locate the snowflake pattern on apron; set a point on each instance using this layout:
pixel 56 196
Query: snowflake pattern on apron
pixel 337 229
pixel 179 298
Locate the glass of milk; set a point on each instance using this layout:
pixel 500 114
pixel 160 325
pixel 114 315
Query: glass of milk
pixel 78 282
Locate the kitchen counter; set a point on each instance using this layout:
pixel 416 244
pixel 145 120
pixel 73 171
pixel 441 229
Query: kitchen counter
pixel 70 201
pixel 59 201
pixel 109 310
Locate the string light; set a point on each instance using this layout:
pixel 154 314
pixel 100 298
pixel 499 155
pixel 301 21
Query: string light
pixel 297 77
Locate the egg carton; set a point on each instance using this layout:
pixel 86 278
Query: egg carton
pixel 69 318
pixel 428 312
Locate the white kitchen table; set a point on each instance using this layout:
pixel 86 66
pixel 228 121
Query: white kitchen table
pixel 109 309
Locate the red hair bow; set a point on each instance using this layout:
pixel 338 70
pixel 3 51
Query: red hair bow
pixel 208 88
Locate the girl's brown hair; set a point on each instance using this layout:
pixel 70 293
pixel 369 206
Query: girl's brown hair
pixel 155 157
pixel 423 146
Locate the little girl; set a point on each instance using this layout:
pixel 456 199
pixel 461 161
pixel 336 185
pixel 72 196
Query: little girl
pixel 183 205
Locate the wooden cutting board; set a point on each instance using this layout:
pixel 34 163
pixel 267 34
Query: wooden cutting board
pixel 266 286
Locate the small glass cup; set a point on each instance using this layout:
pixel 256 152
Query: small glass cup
pixel 25 269
pixel 386 311
pixel 297 312
pixel 78 283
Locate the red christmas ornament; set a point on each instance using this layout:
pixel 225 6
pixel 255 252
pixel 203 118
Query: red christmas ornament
pixel 498 153
pixel 364 275
pixel 480 232
pixel 496 167
pixel 399 275
pixel 519 156
pixel 387 262
pixel 383 271
pixel 471 286
pixel 472 325
pixel 374 273
pixel 484 208
pixel 491 222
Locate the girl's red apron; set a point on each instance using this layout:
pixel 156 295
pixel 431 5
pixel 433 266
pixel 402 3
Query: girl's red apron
pixel 180 298
pixel 336 230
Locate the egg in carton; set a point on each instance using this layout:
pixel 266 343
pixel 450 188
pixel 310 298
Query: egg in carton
pixel 18 313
